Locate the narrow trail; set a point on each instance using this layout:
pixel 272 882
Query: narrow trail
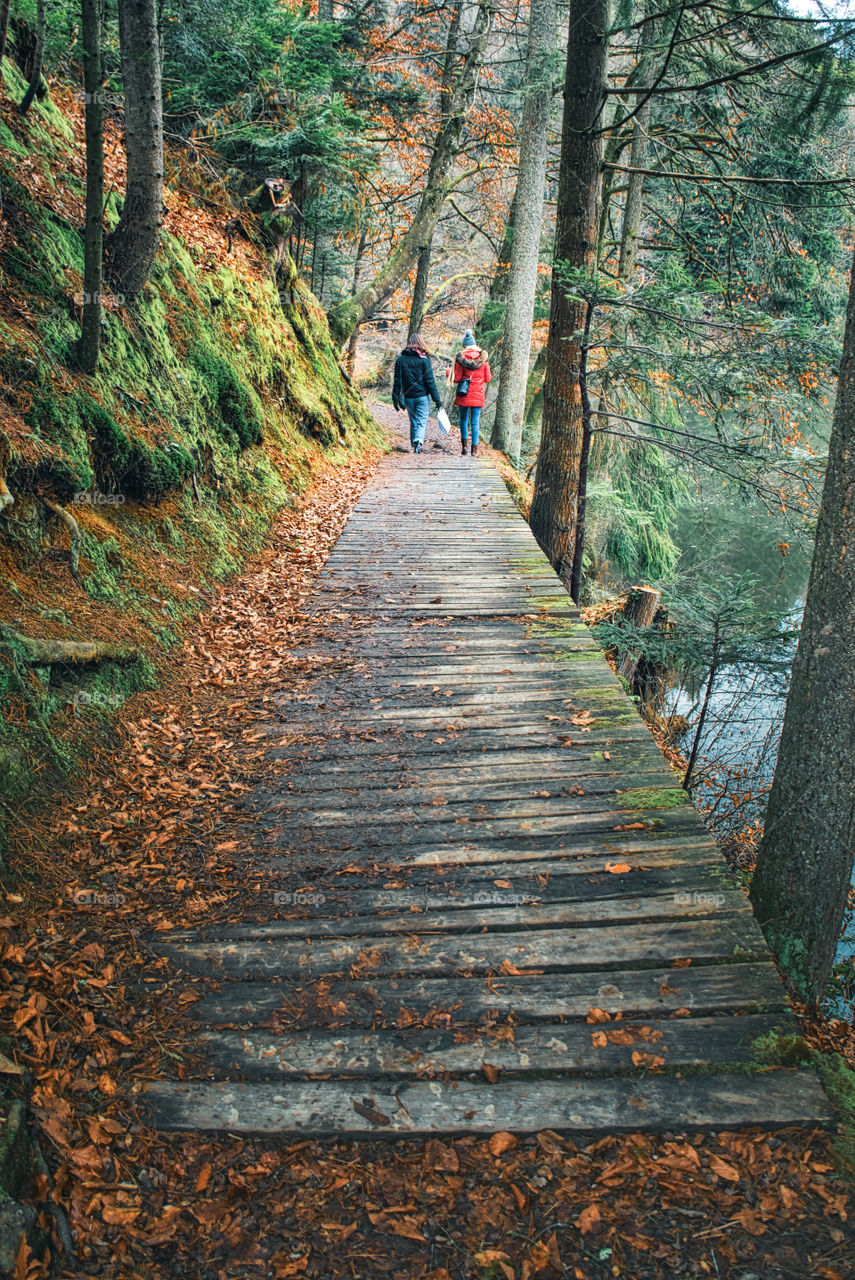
pixel 482 901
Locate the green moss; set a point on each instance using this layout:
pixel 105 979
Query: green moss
pixel 237 413
pixel 205 377
pixel 781 1049
pixel 653 798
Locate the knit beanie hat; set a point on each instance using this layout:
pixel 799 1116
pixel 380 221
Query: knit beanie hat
pixel 469 339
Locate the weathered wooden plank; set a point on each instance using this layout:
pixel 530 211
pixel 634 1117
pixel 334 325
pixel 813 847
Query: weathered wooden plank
pixel 370 834
pixel 493 909
pixel 610 874
pixel 340 807
pixel 676 850
pixel 726 938
pixel 598 1049
pixel 448 1001
pixel 455 781
pixel 775 1098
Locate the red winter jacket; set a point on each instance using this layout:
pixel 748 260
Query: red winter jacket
pixel 472 363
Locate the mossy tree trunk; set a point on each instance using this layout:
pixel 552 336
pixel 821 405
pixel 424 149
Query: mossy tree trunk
pixel 554 508
pixel 528 220
pixel 459 83
pixel 93 238
pixel 38 60
pixel 801 884
pixel 133 245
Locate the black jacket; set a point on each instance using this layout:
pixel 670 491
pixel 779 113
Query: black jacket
pixel 413 378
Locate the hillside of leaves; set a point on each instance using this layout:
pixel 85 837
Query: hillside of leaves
pixel 211 410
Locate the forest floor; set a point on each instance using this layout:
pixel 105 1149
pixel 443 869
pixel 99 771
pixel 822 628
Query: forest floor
pixel 143 844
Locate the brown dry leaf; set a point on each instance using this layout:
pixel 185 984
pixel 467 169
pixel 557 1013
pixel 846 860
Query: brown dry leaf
pixel 599 1039
pixel 491 1073
pixel 441 1157
pixel 682 963
pixel 589 1219
pixel 120 1215
pixel 653 1060
pixel 618 868
pixel 751 1221
pixel 513 972
pixel 630 826
pixel 488 1256
pixel 597 1015
pixel 724 1170
pixel 204 1176
pixel 501 1142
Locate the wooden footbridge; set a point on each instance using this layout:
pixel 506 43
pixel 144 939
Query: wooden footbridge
pixel 491 906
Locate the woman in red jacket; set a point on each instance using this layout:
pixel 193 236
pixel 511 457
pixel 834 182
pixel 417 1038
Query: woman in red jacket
pixel 471 373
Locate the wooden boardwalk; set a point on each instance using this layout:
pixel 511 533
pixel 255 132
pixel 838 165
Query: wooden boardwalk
pixel 491 906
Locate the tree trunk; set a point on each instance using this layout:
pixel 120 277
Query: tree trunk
pixel 459 84
pixel 584 459
pixel 133 244
pixel 556 488
pixel 93 238
pixel 417 307
pixel 633 206
pixel 640 610
pixel 499 283
pixel 38 58
pixel 702 718
pixel 525 250
pixel 4 26
pixel 801 883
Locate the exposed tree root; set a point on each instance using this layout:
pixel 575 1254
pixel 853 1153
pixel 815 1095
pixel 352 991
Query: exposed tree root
pixel 44 653
pixel 73 528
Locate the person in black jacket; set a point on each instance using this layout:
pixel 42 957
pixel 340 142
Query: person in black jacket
pixel 414 388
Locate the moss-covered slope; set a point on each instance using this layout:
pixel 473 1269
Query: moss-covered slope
pixel 211 408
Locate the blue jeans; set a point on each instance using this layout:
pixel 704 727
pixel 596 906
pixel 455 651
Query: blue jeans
pixel 470 413
pixel 418 408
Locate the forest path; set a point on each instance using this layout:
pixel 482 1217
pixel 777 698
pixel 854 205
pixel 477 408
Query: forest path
pixel 487 904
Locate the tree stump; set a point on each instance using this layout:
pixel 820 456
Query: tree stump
pixel 640 609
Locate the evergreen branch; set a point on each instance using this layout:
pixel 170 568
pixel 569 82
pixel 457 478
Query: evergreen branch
pixel 733 177
pixel 683 451
pixel 754 69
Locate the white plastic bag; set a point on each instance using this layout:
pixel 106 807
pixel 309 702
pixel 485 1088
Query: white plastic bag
pixel 443 421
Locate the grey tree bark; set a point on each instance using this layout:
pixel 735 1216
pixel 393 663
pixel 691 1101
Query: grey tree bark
pixel 93 235
pixel 133 245
pixel 554 508
pixel 417 306
pixel 633 205
pixel 459 83
pixel 525 250
pixel 800 887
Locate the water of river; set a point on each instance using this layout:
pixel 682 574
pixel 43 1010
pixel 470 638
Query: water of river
pixel 718 539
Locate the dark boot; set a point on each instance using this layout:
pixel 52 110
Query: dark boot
pixel 474 450
pixel 463 445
